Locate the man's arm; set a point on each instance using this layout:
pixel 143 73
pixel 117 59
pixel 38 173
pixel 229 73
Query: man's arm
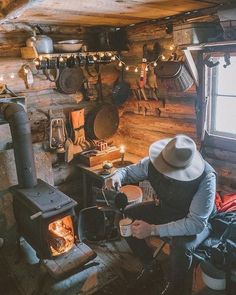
pixel 129 174
pixel 199 212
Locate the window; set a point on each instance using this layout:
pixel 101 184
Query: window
pixel 221 91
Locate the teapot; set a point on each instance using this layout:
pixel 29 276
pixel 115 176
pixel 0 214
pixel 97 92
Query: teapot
pixel 42 43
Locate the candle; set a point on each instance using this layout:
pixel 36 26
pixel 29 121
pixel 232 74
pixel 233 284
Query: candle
pixel 122 151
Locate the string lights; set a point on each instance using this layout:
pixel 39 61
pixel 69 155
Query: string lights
pixel 136 68
pixel 5 77
pixel 52 61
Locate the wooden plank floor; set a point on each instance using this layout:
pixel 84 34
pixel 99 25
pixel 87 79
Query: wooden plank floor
pixel 114 263
pixel 108 274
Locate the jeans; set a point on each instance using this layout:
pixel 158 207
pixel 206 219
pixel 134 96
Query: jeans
pixel 181 247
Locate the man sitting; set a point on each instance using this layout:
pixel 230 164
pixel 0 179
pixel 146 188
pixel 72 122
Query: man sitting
pixel 185 185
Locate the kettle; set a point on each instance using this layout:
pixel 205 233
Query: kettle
pixel 42 43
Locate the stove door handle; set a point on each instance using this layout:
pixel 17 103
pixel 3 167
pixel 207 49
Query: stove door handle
pixel 36 215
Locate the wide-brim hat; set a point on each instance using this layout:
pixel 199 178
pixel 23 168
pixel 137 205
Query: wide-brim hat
pixel 177 158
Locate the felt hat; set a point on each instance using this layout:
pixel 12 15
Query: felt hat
pixel 177 158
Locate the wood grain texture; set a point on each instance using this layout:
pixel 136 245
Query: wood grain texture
pixel 96 12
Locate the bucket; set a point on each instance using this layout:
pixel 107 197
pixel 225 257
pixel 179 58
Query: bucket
pixel 134 193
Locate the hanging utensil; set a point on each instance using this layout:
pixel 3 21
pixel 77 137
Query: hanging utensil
pixel 121 91
pixel 143 72
pixel 70 80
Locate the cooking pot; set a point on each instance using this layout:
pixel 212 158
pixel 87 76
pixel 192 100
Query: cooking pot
pixel 42 43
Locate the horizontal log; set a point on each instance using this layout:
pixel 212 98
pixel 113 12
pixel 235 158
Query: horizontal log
pixel 226 172
pixel 150 123
pixel 227 144
pixel 142 107
pixel 220 154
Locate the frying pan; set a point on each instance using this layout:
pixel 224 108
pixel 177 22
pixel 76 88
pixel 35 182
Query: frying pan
pixel 121 91
pixel 102 122
pixel 70 80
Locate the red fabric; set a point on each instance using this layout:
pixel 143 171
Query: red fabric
pixel 226 203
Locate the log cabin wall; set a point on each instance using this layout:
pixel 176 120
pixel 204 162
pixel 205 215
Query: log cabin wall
pixel 142 122
pixel 40 97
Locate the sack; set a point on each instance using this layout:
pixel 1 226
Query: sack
pixel 225 250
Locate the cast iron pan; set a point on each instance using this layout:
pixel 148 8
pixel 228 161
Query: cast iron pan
pixel 121 91
pixel 102 122
pixel 70 80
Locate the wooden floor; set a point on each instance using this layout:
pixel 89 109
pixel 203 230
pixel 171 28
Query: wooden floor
pixel 111 272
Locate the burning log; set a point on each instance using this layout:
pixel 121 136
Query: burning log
pixel 56 242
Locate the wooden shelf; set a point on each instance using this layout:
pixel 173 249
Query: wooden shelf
pixel 31 53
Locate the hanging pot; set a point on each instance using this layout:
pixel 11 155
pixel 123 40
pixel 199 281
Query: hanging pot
pixel 70 80
pixel 121 91
pixel 174 75
pixel 102 122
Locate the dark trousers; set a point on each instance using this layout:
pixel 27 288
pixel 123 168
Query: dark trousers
pixel 181 247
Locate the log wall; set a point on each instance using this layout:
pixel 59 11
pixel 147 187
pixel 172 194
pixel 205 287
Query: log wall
pixel 143 122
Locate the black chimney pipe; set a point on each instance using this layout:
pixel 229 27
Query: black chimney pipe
pixel 19 123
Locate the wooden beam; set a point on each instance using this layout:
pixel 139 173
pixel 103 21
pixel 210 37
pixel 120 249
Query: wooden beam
pixel 14 9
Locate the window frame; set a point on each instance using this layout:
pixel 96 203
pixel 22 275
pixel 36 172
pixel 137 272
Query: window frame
pixel 211 75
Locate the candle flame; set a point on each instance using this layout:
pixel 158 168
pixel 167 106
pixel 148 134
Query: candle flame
pixel 122 149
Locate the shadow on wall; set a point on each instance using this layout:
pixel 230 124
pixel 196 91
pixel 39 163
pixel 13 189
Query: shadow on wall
pixel 8 178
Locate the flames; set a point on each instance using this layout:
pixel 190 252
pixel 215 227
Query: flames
pixel 61 235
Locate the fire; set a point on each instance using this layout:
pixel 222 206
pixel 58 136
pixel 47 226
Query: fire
pixel 61 235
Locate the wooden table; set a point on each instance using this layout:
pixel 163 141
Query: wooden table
pixel 91 176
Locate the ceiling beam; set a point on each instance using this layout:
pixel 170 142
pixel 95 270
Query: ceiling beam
pixel 14 9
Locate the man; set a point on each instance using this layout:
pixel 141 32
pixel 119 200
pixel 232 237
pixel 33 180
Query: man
pixel 185 185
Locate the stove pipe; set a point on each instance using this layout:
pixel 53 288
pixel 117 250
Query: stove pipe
pixel 18 120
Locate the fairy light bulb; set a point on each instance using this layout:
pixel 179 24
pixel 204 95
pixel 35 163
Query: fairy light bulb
pixel 163 57
pixel 127 68
pixel 12 75
pixel 109 54
pixel 171 47
pixel 94 58
pixel 146 69
pixel 1 77
pixel 61 59
pixel 113 58
pixel 102 54
pixel 136 70
pixel 155 63
pixel 120 64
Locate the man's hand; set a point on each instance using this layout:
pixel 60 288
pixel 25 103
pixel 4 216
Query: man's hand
pixel 113 182
pixel 141 229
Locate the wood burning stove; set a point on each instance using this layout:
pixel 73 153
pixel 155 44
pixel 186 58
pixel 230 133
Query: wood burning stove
pixel 45 218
